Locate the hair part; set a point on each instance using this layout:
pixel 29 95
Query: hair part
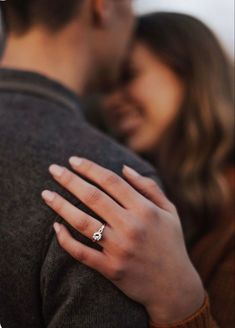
pixel 193 154
pixel 20 15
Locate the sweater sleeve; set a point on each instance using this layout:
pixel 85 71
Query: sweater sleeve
pixel 221 289
pixel 201 319
pixel 74 295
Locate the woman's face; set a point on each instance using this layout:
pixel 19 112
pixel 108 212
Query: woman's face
pixel 143 110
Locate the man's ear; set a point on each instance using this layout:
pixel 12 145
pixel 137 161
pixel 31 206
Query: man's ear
pixel 101 12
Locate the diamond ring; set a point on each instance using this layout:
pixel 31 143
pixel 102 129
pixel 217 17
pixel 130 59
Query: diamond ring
pixel 98 235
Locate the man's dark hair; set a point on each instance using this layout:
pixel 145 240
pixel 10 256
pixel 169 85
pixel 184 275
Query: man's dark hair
pixel 20 15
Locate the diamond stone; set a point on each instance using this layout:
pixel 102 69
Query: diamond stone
pixel 97 236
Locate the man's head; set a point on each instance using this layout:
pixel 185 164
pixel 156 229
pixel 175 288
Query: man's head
pixel 21 15
pixel 105 25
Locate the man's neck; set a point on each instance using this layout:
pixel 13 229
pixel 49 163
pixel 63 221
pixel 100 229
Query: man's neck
pixel 59 57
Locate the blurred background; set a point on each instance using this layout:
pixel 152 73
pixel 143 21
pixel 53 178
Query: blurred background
pixel 218 14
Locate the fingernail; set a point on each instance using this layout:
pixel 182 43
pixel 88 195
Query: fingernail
pixel 56 170
pixel 48 196
pixel 57 227
pixel 75 161
pixel 130 171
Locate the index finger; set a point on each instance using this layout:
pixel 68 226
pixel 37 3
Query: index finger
pixel 95 199
pixel 109 181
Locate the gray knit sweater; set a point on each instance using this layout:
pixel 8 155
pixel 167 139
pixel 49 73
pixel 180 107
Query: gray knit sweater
pixel 40 285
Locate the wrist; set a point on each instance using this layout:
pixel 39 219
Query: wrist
pixel 178 305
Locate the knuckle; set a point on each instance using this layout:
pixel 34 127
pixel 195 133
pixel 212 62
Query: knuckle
pixel 126 252
pixel 81 224
pixel 149 211
pixel 79 255
pixel 149 187
pixel 67 178
pixel 150 184
pixel 135 234
pixel 93 196
pixel 87 165
pixel 58 204
pixel 117 271
pixel 111 179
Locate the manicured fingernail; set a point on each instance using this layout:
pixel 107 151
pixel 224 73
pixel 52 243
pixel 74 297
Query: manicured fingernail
pixel 57 227
pixel 56 170
pixel 48 196
pixel 130 171
pixel 75 161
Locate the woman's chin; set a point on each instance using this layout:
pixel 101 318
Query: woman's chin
pixel 141 146
pixel 136 146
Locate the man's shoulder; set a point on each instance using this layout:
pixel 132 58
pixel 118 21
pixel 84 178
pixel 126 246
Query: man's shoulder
pixel 33 126
pixel 38 122
pixel 109 153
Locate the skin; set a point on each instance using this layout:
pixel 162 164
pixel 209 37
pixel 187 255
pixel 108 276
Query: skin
pixel 142 112
pixel 132 220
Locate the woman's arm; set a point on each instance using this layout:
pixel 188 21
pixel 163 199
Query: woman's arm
pixel 143 250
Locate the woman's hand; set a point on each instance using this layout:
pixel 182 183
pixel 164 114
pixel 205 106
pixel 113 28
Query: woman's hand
pixel 143 251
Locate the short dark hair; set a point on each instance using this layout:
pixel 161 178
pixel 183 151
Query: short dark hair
pixel 20 15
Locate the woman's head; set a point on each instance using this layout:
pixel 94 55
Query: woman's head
pixel 179 102
pixel 145 108
pixel 175 64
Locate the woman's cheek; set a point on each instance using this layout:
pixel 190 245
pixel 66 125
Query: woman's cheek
pixel 139 95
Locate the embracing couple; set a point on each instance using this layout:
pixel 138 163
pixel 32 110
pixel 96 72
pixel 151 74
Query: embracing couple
pixel 105 247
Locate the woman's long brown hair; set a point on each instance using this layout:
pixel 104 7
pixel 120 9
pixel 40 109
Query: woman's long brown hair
pixel 193 154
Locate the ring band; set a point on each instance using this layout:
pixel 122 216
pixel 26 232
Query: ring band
pixel 98 235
